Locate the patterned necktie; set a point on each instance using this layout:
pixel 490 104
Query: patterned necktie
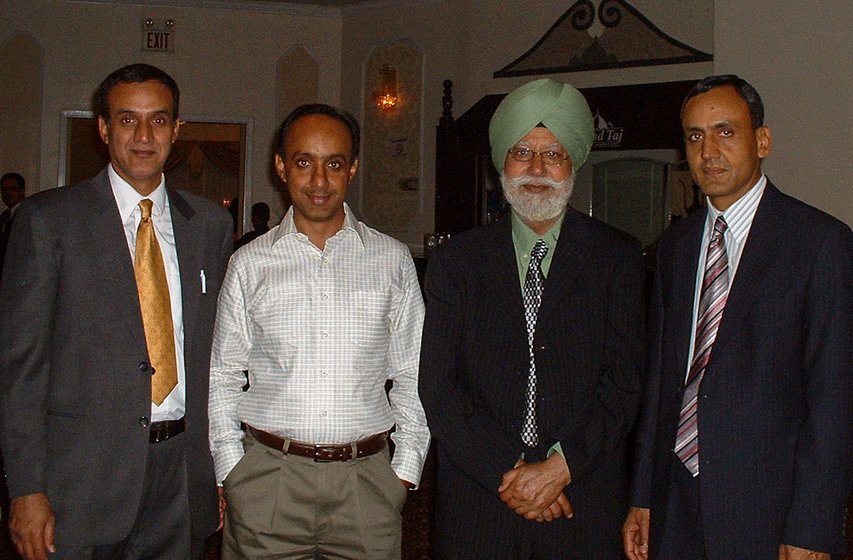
pixel 715 289
pixel 533 283
pixel 156 307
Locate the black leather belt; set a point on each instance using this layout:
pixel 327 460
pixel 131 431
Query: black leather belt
pixel 161 431
pixel 323 453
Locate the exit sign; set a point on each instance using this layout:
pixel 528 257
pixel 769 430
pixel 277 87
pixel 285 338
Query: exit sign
pixel 157 36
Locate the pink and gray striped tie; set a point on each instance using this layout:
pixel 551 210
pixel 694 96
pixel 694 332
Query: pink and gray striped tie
pixel 715 289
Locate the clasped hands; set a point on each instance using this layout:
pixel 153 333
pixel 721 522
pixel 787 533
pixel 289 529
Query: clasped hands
pixel 535 490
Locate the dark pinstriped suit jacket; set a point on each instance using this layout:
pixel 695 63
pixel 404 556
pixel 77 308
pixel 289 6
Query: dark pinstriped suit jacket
pixel 474 368
pixel 776 402
pixel 72 394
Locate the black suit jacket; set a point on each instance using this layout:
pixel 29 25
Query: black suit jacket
pixel 473 378
pixel 74 401
pixel 776 402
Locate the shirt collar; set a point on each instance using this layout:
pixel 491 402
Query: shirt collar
pixel 525 238
pixel 287 227
pixel 128 198
pixel 739 215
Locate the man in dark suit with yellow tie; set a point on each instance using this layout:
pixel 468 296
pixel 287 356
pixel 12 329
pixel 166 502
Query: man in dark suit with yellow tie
pixel 747 431
pixel 531 357
pixel 104 379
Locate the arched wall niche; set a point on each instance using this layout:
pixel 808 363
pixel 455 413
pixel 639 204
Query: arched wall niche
pixel 391 158
pixel 297 83
pixel 22 68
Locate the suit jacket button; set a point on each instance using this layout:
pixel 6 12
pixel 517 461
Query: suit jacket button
pixel 144 366
pixel 143 421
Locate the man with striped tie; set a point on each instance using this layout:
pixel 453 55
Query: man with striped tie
pixel 745 438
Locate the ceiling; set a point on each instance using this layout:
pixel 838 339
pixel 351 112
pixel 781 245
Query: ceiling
pixel 319 2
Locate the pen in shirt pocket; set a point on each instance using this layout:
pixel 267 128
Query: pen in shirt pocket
pixel 203 282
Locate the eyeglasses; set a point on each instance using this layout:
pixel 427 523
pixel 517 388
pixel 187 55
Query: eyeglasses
pixel 551 158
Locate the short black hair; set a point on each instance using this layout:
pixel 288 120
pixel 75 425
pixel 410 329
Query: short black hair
pixel 319 109
pixel 741 86
pixel 136 74
pixel 17 177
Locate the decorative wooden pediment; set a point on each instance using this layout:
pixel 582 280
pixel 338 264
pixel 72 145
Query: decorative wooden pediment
pixel 616 35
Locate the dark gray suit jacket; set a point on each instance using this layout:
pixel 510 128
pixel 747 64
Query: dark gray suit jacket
pixel 473 377
pixel 776 402
pixel 74 401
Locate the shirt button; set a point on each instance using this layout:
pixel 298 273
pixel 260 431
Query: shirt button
pixel 324 296
pixel 324 414
pixel 324 334
pixel 325 260
pixel 324 373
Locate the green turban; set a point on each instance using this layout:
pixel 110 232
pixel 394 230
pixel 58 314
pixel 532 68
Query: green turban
pixel 559 107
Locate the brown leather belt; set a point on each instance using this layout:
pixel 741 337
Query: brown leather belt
pixel 161 431
pixel 323 453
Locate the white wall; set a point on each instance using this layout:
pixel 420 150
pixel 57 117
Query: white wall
pixel 468 40
pixel 224 62
pixel 795 53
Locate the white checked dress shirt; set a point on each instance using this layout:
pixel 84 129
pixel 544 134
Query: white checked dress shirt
pixel 319 332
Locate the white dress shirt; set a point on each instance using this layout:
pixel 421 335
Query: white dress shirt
pixel 319 332
pixel 127 199
pixel 738 218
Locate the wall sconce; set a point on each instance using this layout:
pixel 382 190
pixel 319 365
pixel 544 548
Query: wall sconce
pixel 386 97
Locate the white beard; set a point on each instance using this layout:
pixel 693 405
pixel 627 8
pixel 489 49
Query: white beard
pixel 537 207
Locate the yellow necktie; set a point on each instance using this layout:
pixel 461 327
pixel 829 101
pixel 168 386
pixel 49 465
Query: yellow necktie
pixel 156 306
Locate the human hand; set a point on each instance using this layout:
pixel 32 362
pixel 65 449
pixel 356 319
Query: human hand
pixel 223 505
pixel 561 507
pixel 31 524
pixel 789 552
pixel 407 485
pixel 530 489
pixel 635 534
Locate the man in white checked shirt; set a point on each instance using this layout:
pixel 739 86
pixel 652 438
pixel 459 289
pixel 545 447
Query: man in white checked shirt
pixel 746 438
pixel 321 311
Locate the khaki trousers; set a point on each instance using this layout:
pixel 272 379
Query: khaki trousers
pixel 286 506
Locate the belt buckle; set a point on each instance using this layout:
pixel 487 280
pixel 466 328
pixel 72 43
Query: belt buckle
pixel 324 454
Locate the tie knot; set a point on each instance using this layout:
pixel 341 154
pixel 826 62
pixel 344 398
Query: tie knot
pixel 145 207
pixel 720 225
pixel 539 251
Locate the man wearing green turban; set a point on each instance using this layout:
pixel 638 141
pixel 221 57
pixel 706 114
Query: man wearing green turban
pixel 532 353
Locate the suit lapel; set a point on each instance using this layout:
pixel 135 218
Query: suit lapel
pixel 687 245
pixel 758 252
pixel 190 247
pixel 569 257
pixel 109 242
pixel 500 271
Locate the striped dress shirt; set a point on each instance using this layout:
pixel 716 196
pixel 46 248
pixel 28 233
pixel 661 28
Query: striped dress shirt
pixel 320 332
pixel 738 218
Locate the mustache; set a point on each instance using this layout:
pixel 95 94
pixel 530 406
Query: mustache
pixel 537 181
